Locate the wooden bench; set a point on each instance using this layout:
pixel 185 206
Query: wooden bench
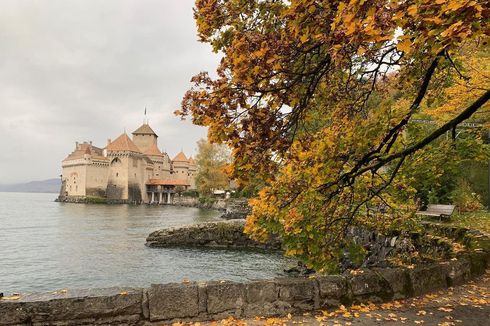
pixel 440 211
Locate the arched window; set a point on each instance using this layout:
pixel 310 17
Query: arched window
pixel 116 161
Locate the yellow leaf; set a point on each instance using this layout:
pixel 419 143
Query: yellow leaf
pixel 304 38
pixel 404 46
pixel 454 5
pixel 412 10
pixel 12 297
pixel 351 28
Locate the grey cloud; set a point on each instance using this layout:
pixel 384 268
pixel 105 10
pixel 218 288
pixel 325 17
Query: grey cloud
pixel 84 70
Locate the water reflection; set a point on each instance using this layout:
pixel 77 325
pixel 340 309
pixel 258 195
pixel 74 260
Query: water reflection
pixel 46 246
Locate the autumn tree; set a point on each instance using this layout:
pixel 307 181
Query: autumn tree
pixel 315 98
pixel 212 160
pixel 440 172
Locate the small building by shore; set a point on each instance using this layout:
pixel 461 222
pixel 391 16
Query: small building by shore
pixel 126 171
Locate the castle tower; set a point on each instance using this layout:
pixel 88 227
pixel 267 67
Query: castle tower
pixel 84 172
pixel 192 172
pixel 145 138
pixel 180 167
pixel 127 171
pixel 161 169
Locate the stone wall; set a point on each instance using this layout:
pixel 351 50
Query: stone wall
pixel 172 302
pixel 216 300
pixel 218 203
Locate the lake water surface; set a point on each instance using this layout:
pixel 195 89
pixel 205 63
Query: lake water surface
pixel 46 246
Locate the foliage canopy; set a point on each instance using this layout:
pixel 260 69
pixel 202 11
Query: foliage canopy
pixel 315 98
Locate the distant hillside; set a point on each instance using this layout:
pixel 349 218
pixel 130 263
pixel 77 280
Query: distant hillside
pixel 50 185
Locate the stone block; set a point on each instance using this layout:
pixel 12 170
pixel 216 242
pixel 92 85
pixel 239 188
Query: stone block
pixel 174 300
pixel 266 309
pixel 479 261
pixel 225 296
pixel 398 279
pixel 368 285
pixel 301 293
pixel 458 270
pixel 261 291
pixel 145 305
pixel 203 297
pixel 261 297
pixel 91 304
pixel 425 279
pixel 332 290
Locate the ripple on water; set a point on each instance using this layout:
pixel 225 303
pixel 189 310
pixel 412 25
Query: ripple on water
pixel 46 246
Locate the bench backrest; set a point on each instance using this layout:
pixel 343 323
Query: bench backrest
pixel 441 209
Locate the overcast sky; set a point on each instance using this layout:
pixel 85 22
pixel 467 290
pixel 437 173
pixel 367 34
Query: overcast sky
pixel 85 70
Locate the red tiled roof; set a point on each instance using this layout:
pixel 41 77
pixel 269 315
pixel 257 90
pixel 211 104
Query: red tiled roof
pixel 153 151
pixel 123 143
pixel 86 148
pixel 180 157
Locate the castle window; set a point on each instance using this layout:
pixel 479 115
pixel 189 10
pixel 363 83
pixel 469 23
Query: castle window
pixel 117 174
pixel 115 161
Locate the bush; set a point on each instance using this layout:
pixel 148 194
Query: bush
pixel 465 198
pixel 206 200
pixel 190 193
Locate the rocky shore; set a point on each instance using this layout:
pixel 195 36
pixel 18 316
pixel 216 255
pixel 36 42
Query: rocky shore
pixel 225 234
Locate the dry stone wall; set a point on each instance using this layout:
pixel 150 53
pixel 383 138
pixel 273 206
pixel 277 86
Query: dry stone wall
pixel 168 303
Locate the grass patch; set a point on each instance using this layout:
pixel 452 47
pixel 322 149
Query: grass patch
pixel 479 220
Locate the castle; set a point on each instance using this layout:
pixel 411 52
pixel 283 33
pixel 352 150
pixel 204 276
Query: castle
pixel 126 171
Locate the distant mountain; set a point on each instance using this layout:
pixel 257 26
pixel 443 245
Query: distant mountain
pixel 50 185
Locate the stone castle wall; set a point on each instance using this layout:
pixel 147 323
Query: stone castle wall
pixel 75 177
pixel 96 180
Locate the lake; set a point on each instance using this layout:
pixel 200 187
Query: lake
pixel 47 246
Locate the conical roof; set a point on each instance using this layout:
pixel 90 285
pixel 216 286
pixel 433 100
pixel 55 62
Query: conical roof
pixel 180 157
pixel 153 151
pixel 145 129
pixel 123 143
